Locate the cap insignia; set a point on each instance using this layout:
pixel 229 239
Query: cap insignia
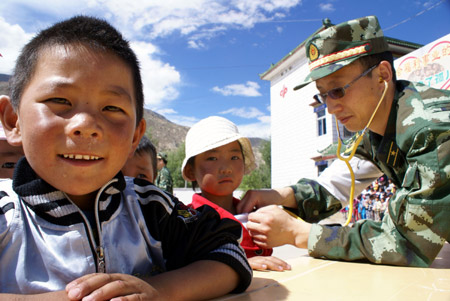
pixel 313 52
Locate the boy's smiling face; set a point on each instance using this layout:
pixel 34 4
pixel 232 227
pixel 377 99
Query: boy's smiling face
pixel 77 119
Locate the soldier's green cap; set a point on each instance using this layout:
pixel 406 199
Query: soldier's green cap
pixel 342 44
pixel 162 155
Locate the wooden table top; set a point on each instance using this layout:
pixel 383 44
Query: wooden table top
pixel 318 279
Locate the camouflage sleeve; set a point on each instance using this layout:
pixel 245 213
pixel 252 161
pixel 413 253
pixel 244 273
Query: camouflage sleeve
pixel 418 222
pixel 314 201
pixel 320 198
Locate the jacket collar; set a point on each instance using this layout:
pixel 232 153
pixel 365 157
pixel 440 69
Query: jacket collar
pixel 53 204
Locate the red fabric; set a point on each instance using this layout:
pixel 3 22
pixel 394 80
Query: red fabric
pixel 247 244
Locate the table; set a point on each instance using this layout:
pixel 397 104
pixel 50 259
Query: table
pixel 318 279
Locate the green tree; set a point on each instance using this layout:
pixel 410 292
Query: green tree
pixel 175 160
pixel 260 177
pixel 148 133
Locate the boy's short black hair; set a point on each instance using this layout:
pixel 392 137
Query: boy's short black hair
pixel 146 146
pixel 93 32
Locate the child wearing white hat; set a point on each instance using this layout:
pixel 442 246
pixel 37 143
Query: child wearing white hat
pixel 217 157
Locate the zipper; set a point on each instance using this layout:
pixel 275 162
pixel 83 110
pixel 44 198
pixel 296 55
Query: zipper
pixel 99 251
pixel 101 268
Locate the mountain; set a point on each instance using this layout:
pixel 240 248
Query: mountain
pixel 4 84
pixel 4 77
pixel 166 135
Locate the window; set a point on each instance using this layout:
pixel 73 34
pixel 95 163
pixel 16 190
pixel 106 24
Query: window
pixel 321 166
pixel 321 122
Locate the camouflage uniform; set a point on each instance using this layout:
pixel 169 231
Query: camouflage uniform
pixel 164 180
pixel 414 153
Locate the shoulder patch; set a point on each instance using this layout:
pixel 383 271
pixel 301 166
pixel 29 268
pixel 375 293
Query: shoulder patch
pixel 186 213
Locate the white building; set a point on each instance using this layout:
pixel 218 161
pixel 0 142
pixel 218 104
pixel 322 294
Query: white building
pixel 299 126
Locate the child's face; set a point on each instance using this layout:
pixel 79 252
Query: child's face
pixel 9 155
pixel 139 166
pixel 219 171
pixel 77 119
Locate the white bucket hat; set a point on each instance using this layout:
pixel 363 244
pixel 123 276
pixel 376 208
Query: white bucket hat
pixel 213 132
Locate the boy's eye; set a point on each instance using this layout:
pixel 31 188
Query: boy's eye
pixel 235 158
pixel 8 165
pixel 113 109
pixel 61 101
pixel 211 158
pixel 142 176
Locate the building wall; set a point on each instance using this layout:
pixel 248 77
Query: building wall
pixel 294 127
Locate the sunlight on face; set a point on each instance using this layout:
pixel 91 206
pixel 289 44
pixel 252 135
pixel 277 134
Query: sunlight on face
pixel 77 118
pixel 220 171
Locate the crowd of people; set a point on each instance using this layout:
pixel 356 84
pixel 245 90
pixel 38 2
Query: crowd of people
pixel 373 201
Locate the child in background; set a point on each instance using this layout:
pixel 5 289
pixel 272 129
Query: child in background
pixel 71 226
pixel 9 155
pixel 217 157
pixel 142 164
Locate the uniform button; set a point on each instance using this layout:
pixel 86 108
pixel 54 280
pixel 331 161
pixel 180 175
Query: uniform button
pixel 316 212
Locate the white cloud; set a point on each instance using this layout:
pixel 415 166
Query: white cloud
pixel 248 113
pixel 249 89
pixel 195 19
pixel 182 120
pixel 258 129
pixel 326 7
pixel 195 44
pixel 12 41
pixel 160 79
pixel 166 111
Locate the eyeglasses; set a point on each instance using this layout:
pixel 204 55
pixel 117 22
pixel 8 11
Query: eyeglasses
pixel 337 93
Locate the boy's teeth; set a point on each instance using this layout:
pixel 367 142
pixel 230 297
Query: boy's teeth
pixel 81 157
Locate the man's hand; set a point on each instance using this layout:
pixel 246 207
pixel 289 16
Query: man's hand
pixel 272 226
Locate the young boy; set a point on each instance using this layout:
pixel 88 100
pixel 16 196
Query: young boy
pixel 71 226
pixel 217 157
pixel 143 163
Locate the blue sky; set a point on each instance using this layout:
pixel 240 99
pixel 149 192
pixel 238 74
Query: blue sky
pixel 201 58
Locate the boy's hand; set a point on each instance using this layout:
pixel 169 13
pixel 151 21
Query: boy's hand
pixel 260 198
pixel 110 287
pixel 268 263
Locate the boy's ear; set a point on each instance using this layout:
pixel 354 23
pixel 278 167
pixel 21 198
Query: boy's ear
pixel 138 133
pixel 10 121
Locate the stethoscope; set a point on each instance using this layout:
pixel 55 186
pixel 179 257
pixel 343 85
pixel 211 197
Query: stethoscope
pixel 354 146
